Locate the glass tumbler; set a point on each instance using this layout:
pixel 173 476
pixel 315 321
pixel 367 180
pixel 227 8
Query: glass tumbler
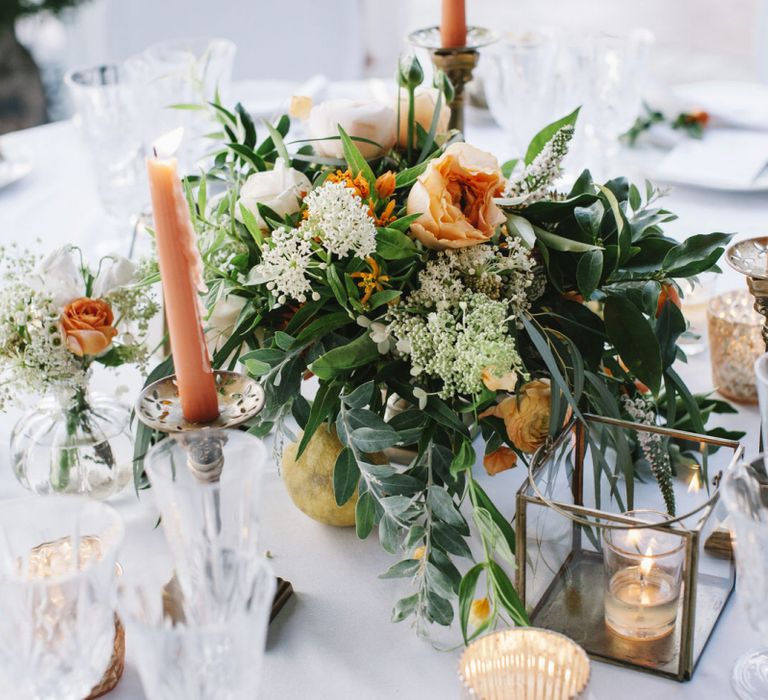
pixel 745 494
pixel 107 118
pixel 207 486
pixel 57 588
pixel 221 659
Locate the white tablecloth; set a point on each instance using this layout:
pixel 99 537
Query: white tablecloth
pixel 334 639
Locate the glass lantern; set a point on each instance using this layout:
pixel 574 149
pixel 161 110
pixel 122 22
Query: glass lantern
pixel 601 559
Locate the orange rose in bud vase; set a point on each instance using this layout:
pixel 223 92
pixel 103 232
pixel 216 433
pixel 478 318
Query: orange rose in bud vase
pixel 87 326
pixel 454 196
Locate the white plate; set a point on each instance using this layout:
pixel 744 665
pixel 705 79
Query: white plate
pixel 730 102
pixel 12 171
pixel 268 98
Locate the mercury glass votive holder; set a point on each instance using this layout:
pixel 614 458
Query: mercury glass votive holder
pixel 524 663
pixel 643 570
pixel 735 342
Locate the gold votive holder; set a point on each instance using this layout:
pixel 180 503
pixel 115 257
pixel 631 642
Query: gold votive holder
pixel 524 663
pixel 643 574
pixel 735 342
pixel 574 525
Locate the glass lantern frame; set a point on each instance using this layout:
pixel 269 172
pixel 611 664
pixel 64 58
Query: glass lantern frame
pixel 572 600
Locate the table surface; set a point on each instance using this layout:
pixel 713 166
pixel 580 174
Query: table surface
pixel 334 639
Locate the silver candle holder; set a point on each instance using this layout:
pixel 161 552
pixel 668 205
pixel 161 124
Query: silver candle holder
pixel 750 258
pixel 456 62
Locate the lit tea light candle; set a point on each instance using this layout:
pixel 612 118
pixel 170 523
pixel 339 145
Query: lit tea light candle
pixel 643 576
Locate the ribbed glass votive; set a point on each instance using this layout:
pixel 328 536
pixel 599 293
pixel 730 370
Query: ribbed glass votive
pixel 525 663
pixel 735 344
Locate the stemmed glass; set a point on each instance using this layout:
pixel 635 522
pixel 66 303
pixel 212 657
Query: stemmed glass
pixel 57 588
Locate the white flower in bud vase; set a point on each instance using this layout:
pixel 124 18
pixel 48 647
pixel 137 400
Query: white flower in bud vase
pixel 115 272
pixel 425 101
pixel 222 319
pixel 59 275
pixel 280 189
pixel 363 119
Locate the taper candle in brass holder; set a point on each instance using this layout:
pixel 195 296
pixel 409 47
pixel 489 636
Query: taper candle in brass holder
pixel 240 399
pixel 750 258
pixel 456 62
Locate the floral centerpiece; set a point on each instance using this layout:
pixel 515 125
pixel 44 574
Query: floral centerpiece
pixel 393 262
pixel 58 318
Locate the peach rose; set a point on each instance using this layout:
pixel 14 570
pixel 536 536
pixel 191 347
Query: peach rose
pixel 506 382
pixel 526 416
pixel 454 196
pixel 499 460
pixel 424 103
pixel 87 326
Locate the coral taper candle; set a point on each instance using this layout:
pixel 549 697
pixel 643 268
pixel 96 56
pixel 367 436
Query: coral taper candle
pixel 180 272
pixel 453 25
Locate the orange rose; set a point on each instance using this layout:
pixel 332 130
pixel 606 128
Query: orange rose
pixel 506 382
pixel 499 460
pixel 526 416
pixel 454 196
pixel 87 326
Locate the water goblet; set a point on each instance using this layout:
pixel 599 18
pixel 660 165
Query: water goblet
pixel 57 587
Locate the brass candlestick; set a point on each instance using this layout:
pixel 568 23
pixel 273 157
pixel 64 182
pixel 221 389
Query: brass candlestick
pixel 457 63
pixel 750 258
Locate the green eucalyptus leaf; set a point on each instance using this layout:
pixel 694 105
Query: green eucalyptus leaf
pixel 507 594
pixel 394 245
pixel 464 459
pixel 443 507
pixel 365 515
pixel 439 609
pixel 450 540
pixel 564 245
pixel 521 227
pixel 695 255
pixel 357 353
pixel 346 474
pixel 588 272
pixel 373 439
pixel 403 569
pixel 404 608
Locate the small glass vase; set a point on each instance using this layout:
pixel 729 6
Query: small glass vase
pixel 74 442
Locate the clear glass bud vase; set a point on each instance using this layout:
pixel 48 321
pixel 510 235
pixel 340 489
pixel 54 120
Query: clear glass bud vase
pixel 74 442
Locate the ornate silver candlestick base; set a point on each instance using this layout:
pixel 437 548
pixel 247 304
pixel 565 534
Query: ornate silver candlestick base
pixel 240 399
pixel 457 63
pixel 750 258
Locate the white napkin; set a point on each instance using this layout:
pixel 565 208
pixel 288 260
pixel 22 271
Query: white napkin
pixel 724 158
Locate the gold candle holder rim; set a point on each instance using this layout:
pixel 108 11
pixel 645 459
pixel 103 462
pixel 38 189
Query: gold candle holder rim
pixel 429 38
pixel 713 312
pixel 519 634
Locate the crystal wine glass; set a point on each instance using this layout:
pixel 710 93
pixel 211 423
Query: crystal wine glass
pixel 745 494
pixel 221 659
pixel 57 586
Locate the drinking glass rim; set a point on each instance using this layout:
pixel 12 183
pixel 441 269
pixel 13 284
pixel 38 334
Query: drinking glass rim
pixel 633 554
pixel 109 557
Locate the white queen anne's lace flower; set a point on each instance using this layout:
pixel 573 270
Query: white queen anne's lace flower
pixel 338 217
pixel 284 264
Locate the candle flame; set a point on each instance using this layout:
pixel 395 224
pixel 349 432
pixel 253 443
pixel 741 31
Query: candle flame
pixel 646 563
pixel 633 536
pixel 695 483
pixel 168 144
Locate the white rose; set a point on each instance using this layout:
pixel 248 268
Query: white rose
pixel 116 271
pixel 59 274
pixel 424 105
pixel 281 189
pixel 364 119
pixel 222 319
